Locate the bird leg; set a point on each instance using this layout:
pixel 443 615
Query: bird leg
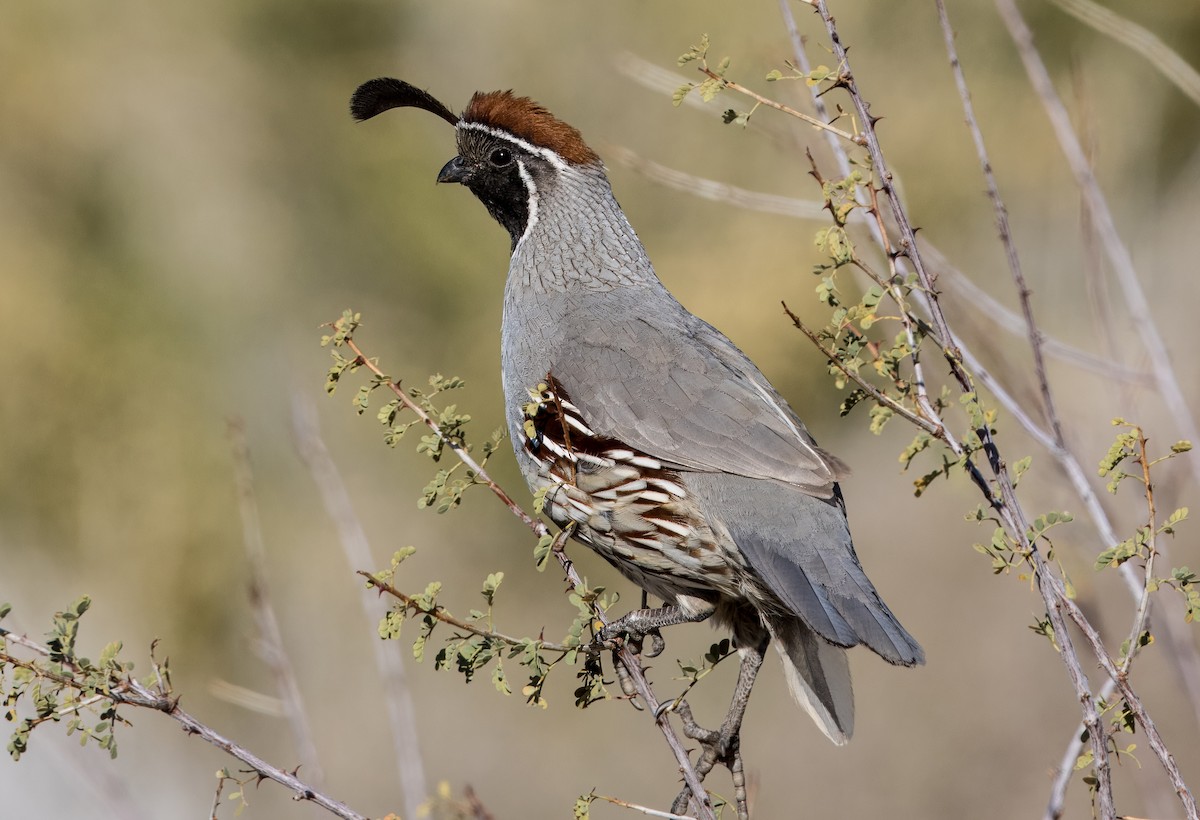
pixel 640 623
pixel 724 745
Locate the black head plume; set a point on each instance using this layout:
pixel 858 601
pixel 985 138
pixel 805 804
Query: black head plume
pixel 378 95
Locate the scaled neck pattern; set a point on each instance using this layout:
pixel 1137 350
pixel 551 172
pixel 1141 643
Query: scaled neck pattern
pixel 577 237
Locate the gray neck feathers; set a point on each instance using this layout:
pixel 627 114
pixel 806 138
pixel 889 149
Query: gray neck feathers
pixel 578 237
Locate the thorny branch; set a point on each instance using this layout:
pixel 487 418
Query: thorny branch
pixel 1000 493
pixel 129 691
pixel 1059 447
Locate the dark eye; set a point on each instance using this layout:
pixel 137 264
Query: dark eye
pixel 500 157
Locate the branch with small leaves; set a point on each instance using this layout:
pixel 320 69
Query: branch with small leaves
pixel 61 684
pixel 633 678
pixel 717 82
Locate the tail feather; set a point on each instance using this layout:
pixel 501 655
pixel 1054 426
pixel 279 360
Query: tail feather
pixel 818 674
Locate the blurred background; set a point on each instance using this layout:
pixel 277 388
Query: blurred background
pixel 184 199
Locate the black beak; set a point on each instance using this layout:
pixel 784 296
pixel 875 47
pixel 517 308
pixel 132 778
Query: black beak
pixel 454 171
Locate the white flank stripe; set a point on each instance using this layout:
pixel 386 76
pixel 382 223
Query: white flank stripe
pixel 670 486
pixel 579 425
pixel 678 529
pixel 647 462
pixel 654 497
pixel 620 455
pixel 558 451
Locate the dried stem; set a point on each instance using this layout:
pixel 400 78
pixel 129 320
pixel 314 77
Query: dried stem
pixel 397 694
pixel 1139 589
pixel 1139 40
pixel 633 667
pixel 270 644
pixel 625 804
pixel 1105 225
pixel 1036 341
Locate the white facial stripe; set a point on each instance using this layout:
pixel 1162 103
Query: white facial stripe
pixel 545 153
pixel 531 187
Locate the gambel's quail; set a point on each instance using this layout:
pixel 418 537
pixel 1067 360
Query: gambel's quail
pixel 659 441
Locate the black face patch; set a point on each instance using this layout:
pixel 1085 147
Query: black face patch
pixel 495 178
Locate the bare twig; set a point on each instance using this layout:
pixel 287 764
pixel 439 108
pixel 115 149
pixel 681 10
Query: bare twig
pixel 270 643
pixel 716 191
pixel 131 692
pixel 1137 39
pixel 700 798
pixel 625 804
pixel 397 693
pixel 1002 227
pixel 1187 660
pixel 1106 227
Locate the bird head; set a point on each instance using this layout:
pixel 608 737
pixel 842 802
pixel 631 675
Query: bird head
pixel 510 148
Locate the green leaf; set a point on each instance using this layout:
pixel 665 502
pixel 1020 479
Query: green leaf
pixel 710 88
pixel 773 75
pixel 490 584
pixel 499 681
pixel 681 94
pixel 541 553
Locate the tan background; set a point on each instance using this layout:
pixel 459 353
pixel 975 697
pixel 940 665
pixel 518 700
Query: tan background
pixel 183 199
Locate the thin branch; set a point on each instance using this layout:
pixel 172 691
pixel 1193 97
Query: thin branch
pixel 1138 39
pixel 131 692
pixel 1188 659
pixel 630 661
pixel 625 804
pixel 440 613
pixel 1002 227
pixel 1006 506
pixel 761 100
pixel 713 190
pixel 397 694
pixel 1106 227
pixel 270 643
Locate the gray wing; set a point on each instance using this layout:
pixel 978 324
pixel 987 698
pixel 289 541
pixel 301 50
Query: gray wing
pixel 686 395
pixel 800 548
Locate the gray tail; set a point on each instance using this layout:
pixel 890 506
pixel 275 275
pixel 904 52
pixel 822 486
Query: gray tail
pixel 818 674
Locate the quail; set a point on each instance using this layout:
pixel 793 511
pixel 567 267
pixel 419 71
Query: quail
pixel 654 438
